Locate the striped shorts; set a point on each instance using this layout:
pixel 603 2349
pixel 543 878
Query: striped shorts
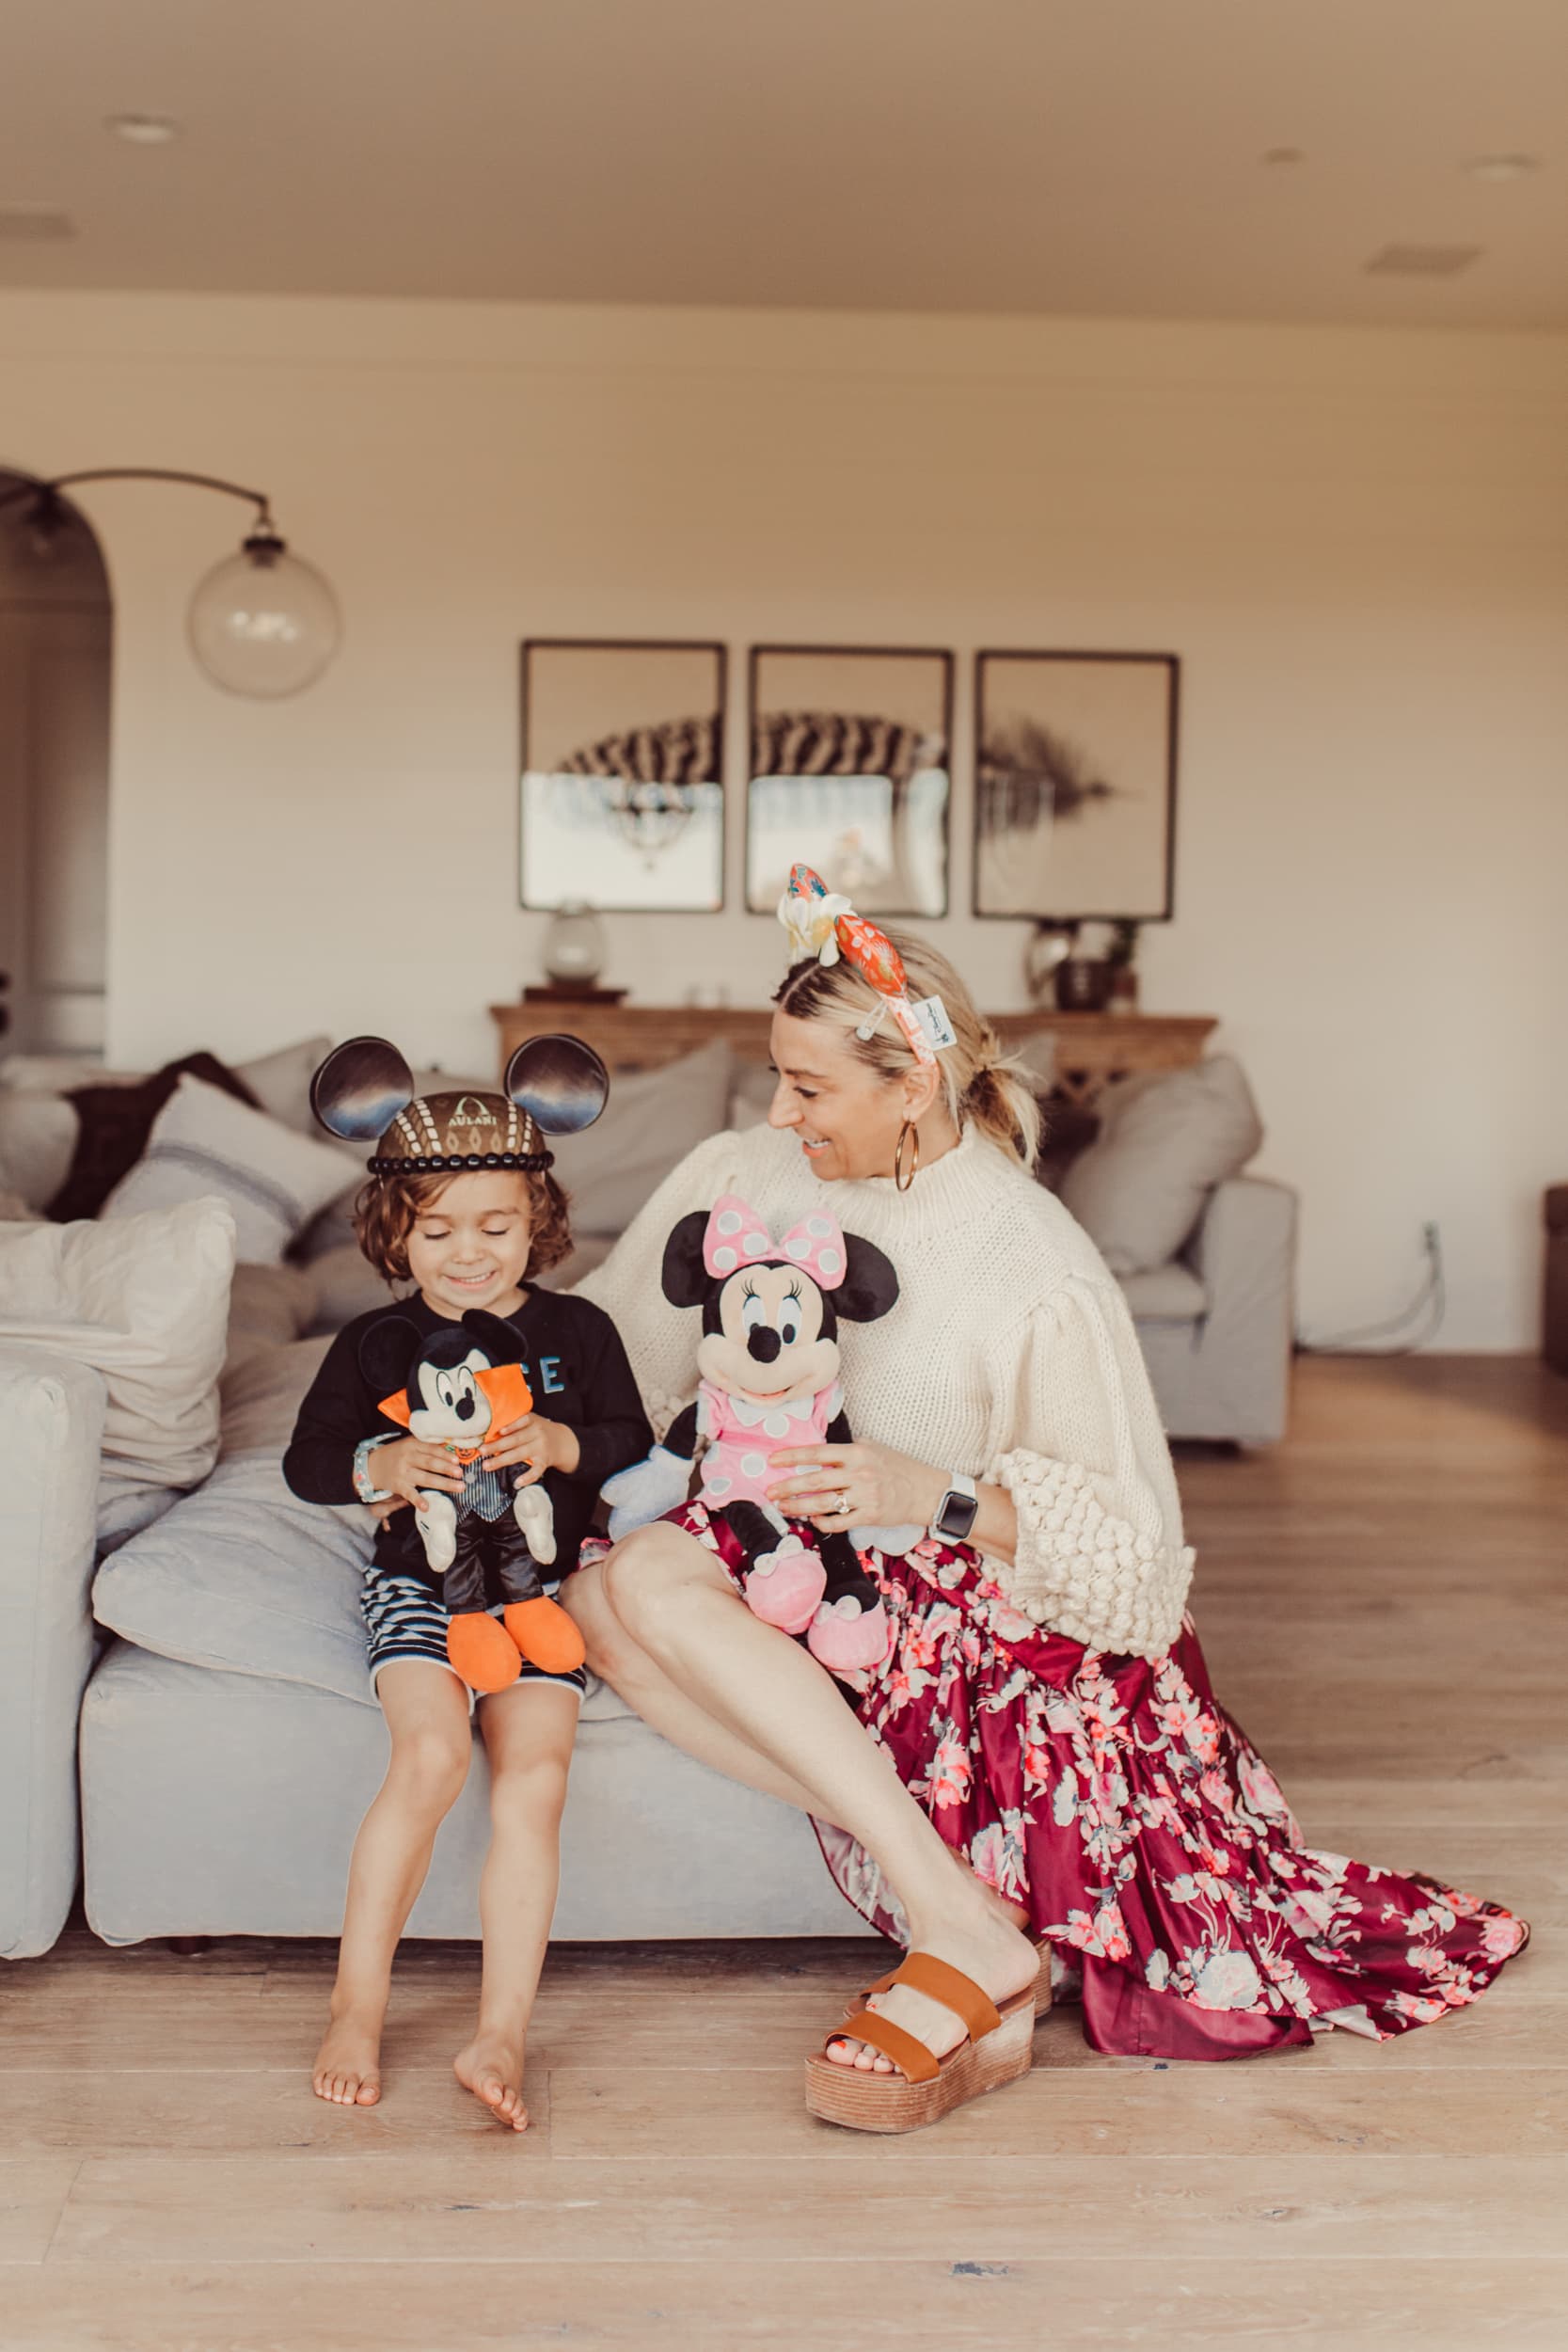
pixel 403 1618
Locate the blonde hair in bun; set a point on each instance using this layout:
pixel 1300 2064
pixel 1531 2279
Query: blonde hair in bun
pixel 982 1086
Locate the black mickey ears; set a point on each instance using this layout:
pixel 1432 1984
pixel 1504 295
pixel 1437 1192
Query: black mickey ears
pixel 360 1087
pixel 560 1083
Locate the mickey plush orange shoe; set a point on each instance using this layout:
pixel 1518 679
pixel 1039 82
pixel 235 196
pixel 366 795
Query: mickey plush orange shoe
pixel 483 1651
pixel 545 1635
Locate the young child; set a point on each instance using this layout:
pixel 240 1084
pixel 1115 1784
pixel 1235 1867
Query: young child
pixel 460 1202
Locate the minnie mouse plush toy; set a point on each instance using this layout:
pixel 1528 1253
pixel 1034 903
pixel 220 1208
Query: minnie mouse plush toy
pixel 769 1356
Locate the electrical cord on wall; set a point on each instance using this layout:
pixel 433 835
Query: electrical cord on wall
pixel 1394 1337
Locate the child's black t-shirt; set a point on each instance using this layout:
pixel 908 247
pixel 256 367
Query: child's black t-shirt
pixel 576 1368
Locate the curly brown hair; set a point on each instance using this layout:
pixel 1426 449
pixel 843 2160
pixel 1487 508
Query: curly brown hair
pixel 388 1206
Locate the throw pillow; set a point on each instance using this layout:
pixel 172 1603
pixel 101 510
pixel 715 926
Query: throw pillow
pixel 1166 1140
pixel 752 1087
pixel 204 1143
pixel 38 1140
pixel 279 1084
pixel 116 1121
pixel 53 1074
pixel 144 1301
pixel 653 1120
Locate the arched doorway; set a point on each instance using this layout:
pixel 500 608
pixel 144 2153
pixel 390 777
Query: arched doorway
pixel 55 629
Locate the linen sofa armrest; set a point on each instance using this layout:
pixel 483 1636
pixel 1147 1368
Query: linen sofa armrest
pixel 1243 1253
pixel 51 1439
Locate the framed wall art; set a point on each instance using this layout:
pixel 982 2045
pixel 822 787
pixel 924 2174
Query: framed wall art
pixel 621 797
pixel 850 760
pixel 1075 785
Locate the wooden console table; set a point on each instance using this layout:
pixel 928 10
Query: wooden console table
pixel 1091 1047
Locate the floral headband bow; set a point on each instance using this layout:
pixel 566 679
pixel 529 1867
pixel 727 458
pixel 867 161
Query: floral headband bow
pixel 822 924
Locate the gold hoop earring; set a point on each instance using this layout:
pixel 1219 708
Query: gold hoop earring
pixel 909 1139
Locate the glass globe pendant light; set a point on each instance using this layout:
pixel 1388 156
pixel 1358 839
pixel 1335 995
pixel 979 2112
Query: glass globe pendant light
pixel 263 622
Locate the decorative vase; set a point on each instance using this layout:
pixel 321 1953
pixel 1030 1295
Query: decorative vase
pixel 575 947
pixel 1083 984
pixel 1046 951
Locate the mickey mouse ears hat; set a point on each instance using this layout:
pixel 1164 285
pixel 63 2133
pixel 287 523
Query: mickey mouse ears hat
pixel 364 1093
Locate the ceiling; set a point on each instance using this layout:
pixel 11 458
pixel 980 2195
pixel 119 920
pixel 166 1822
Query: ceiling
pixel 1081 156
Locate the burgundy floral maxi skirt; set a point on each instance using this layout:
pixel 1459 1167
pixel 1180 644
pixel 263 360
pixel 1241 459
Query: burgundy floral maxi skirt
pixel 1119 1804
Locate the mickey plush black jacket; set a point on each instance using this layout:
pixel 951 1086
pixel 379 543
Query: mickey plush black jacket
pixel 576 1368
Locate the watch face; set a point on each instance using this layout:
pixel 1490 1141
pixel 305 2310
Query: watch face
pixel 958 1516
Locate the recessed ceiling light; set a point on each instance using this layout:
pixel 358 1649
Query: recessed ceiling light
pixel 1501 167
pixel 1423 261
pixel 145 130
pixel 35 221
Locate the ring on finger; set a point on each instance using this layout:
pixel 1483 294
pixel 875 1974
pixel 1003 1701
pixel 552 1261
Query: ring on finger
pixel 841 1504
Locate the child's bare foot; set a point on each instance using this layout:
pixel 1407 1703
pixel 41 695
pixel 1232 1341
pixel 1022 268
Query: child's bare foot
pixel 348 2064
pixel 492 2068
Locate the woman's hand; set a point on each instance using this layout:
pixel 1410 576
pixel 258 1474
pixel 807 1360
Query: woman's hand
pixel 537 1443
pixel 841 1487
pixel 409 1464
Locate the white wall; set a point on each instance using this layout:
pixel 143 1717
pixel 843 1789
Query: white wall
pixel 1357 541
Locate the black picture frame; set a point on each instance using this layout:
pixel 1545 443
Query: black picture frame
pixel 707 747
pixel 1064 761
pixel 757 894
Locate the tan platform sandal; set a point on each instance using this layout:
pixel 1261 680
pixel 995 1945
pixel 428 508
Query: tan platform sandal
pixel 998 2048
pixel 1042 1985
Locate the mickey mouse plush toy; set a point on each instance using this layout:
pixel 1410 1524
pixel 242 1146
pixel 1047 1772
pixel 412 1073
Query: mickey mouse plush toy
pixel 454 1388
pixel 768 1360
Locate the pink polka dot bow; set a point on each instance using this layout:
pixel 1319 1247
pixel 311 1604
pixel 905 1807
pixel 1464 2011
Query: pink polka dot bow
pixel 736 1237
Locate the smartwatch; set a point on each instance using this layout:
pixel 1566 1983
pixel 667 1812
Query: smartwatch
pixel 958 1511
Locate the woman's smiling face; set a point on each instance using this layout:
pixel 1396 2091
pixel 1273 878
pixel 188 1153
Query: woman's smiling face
pixel 846 1116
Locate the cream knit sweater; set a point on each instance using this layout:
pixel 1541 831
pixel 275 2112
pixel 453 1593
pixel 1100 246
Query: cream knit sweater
pixel 1009 1356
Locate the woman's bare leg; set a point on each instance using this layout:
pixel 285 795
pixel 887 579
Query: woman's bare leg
pixel 528 1733
pixel 664 1704
pixel 427 1715
pixel 672 1713
pixel 680 1608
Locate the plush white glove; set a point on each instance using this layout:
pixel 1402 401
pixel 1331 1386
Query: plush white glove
pixel 889 1540
pixel 646 1491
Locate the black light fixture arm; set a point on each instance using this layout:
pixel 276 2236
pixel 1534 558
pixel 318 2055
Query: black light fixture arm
pixel 265 525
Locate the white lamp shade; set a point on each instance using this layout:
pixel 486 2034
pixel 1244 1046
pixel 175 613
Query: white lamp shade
pixel 263 622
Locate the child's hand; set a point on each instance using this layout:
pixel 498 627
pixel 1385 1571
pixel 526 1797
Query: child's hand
pixel 538 1445
pixel 410 1463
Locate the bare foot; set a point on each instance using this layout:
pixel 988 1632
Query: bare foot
pixel 986 1946
pixel 492 2068
pixel 348 2064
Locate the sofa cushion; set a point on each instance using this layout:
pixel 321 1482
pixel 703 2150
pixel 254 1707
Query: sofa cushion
pixel 653 1120
pixel 144 1301
pixel 1165 1293
pixel 240 1575
pixel 280 1082
pixel 116 1121
pixel 752 1087
pixel 268 1306
pixel 38 1140
pixel 1166 1140
pixel 346 1284
pixel 244 1578
pixel 203 1144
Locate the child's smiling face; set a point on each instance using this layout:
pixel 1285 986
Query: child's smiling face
pixel 469 1245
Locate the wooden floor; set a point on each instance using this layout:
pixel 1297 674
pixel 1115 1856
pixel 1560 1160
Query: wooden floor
pixel 1385 1605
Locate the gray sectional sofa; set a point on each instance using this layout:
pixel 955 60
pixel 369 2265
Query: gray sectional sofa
pixel 212 1667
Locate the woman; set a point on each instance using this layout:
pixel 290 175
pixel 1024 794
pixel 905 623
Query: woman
pixel 1044 1716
